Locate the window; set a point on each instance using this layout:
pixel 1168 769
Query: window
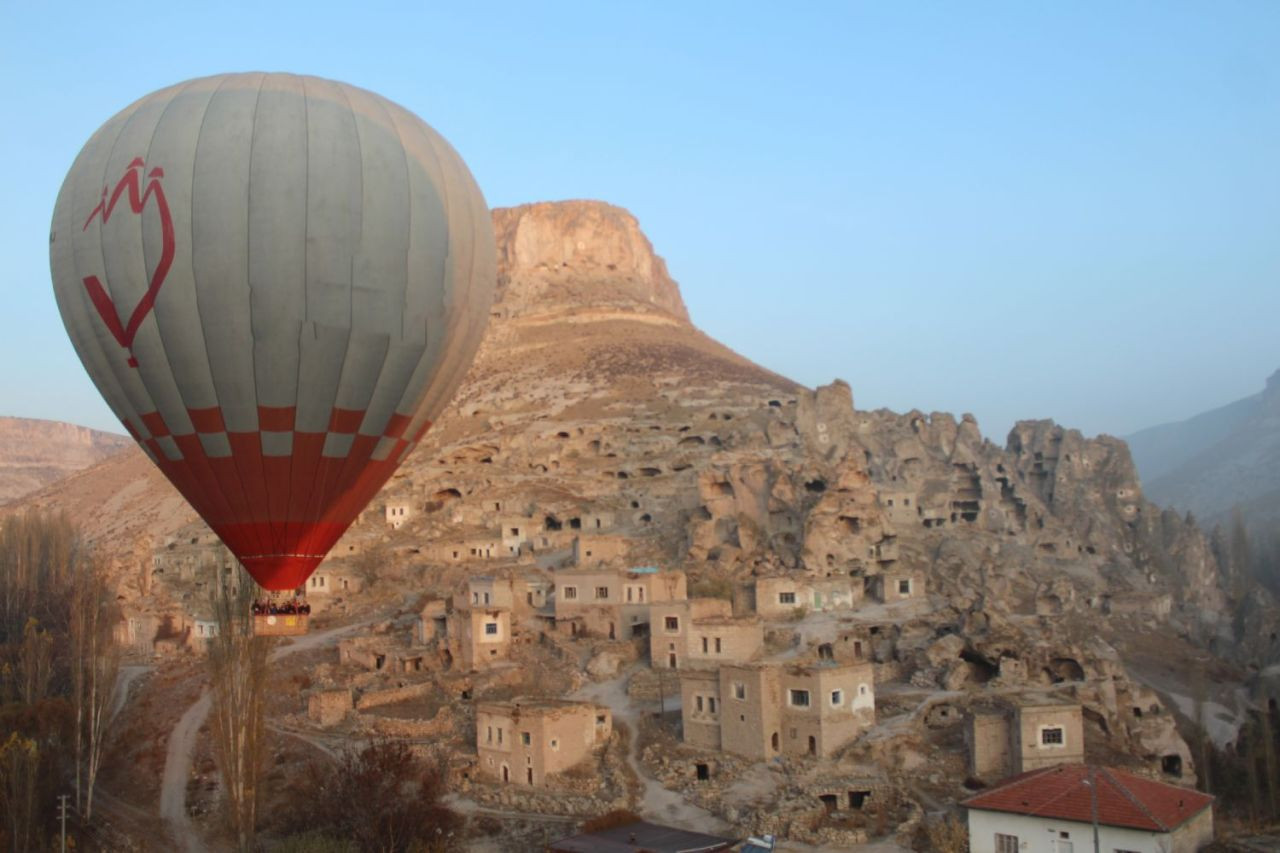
pixel 1006 843
pixel 786 598
pixel 1052 736
pixel 570 593
pixel 799 698
pixel 672 623
pixel 837 698
pixel 602 592
pixel 491 629
pixel 739 690
pixel 526 738
pixel 904 586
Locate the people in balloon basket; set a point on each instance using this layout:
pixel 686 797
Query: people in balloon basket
pixel 267 607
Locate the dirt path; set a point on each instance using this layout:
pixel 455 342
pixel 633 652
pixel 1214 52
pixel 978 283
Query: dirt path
pixel 182 745
pixel 657 803
pixel 177 769
pixel 124 680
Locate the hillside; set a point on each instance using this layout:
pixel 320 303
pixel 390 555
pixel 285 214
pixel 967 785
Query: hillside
pixel 35 453
pixel 599 431
pixel 1216 460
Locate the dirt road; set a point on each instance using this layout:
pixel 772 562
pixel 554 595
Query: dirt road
pixel 182 745
pixel 657 803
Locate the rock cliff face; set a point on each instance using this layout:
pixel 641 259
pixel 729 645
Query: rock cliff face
pixel 579 256
pixel 35 453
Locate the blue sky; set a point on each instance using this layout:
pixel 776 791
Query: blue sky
pixel 1017 210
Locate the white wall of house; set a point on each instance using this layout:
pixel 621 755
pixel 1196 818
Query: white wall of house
pixel 1044 835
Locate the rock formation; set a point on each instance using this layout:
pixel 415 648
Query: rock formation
pixel 35 453
pixel 598 426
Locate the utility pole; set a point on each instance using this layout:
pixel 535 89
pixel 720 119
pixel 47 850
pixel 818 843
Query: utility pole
pixel 62 815
pixel 1092 782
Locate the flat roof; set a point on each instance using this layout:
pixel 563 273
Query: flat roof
pixel 642 836
pixel 512 705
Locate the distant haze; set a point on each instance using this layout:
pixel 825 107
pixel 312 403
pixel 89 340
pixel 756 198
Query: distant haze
pixel 1019 211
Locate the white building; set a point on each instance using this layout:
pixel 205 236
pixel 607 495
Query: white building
pixel 1055 810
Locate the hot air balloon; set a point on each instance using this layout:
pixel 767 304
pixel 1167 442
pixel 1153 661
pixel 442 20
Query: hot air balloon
pixel 277 282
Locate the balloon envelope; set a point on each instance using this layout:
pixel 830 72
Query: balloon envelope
pixel 277 283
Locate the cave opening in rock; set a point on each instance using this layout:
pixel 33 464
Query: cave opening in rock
pixel 982 669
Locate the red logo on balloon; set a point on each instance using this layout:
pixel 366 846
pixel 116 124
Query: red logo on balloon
pixel 138 199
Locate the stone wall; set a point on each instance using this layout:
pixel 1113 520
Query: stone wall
pixel 391 695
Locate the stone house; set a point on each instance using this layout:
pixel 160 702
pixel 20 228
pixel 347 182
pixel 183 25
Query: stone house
pixel 761 710
pixel 1030 736
pixel 479 637
pixel 525 741
pixel 598 549
pixel 517 532
pixel 896 584
pixel 701 633
pixel 327 708
pixel 1056 809
pixel 483 546
pixel 611 603
pixel 432 622
pixel 478 626
pixel 778 597
pixel 899 505
pixel 398 511
pixel 531 591
pixel 370 653
pixel 333 580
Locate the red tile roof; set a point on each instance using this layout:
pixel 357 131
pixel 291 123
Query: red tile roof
pixel 1064 792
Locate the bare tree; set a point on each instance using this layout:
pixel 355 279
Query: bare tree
pixel 95 664
pixel 19 771
pixel 948 834
pixel 238 669
pixel 1203 743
